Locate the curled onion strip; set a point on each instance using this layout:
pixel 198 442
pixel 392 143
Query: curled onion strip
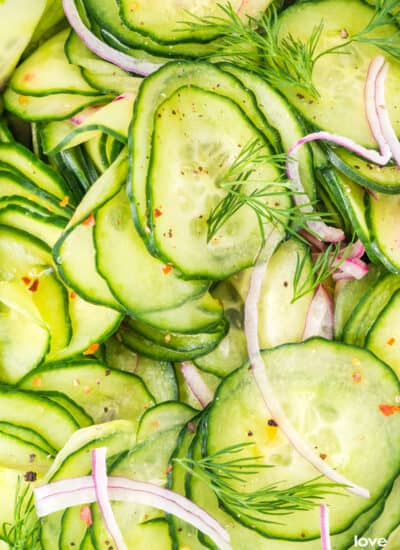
pixel 324 527
pixel 196 383
pixel 383 115
pixel 320 315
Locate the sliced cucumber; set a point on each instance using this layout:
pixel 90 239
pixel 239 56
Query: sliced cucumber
pixel 207 132
pixel 16 454
pixel 140 282
pixel 44 228
pixel 104 394
pixel 315 377
pixel 382 216
pixel 340 79
pixel 47 71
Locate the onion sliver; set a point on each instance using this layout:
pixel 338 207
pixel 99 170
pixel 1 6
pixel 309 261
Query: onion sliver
pixel 196 383
pixel 320 316
pixel 103 50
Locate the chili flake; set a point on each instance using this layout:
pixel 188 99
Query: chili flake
pixel 91 349
pixel 90 221
pixel 357 377
pixel 389 410
pixel 391 341
pixel 157 212
pixel 85 515
pixel 26 280
pixel 28 77
pixel 167 269
pixel 64 202
pixel 72 294
pixel 34 286
pixel 169 469
pixel 37 381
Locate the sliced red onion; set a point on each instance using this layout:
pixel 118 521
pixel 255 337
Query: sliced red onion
pixel 351 268
pixel 102 49
pixel 324 527
pixel 65 493
pixel 371 106
pixel 196 383
pixel 357 250
pixel 386 126
pixel 100 481
pixel 320 315
pixel 261 378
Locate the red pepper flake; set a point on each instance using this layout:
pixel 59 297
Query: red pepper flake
pixel 28 77
pixel 155 424
pixel 389 410
pixel 169 469
pixel 37 381
pixel 34 286
pixel 26 280
pixel 85 515
pixel 391 341
pixel 90 221
pixel 157 212
pixel 64 202
pixel 91 349
pixel 72 294
pixel 87 389
pixel 167 269
pixel 357 377
pixel 323 456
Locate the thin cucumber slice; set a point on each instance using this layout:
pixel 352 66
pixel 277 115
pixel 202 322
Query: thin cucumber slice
pixel 104 394
pixel 170 78
pixel 349 293
pixel 383 339
pixel 77 412
pixel 47 71
pixel 92 149
pixel 165 416
pixel 27 435
pixel 51 421
pixel 384 179
pixel 243 537
pixel 17 24
pixel 140 282
pixel 112 119
pixel 24 337
pixel 207 132
pixel 91 325
pixel 19 159
pixel 382 214
pixel 159 20
pixel 16 453
pixel 44 228
pixel 315 377
pixel 367 311
pixel 286 120
pixel 231 352
pixel 340 79
pixel 47 108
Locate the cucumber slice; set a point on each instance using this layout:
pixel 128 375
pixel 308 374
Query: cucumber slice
pixel 44 228
pixel 169 79
pixel 27 435
pixel 160 20
pixel 382 216
pixel 91 325
pixel 17 23
pixel 340 79
pixel 281 115
pixel 16 454
pixel 47 71
pixel 51 421
pixel 53 107
pixel 79 415
pixel 243 537
pixel 349 293
pixel 207 132
pixel 158 376
pixel 315 377
pixel 104 394
pixel 367 311
pixel 384 179
pixel 136 279
pixel 383 339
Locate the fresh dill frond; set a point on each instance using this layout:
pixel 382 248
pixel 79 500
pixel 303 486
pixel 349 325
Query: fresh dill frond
pixel 238 178
pixel 24 532
pixel 228 475
pixel 324 266
pixel 256 45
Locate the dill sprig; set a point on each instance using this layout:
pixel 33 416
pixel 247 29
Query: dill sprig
pixel 220 469
pixel 238 176
pixel 324 266
pixel 24 532
pixel 257 44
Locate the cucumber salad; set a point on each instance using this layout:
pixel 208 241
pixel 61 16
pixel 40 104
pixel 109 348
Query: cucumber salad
pixel 199 275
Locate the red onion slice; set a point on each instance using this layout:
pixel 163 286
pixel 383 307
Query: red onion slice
pixel 100 481
pixel 357 250
pixel 261 378
pixel 371 106
pixel 196 383
pixel 383 115
pixel 324 526
pixel 320 315
pixel 351 268
pixel 74 492
pixel 102 49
